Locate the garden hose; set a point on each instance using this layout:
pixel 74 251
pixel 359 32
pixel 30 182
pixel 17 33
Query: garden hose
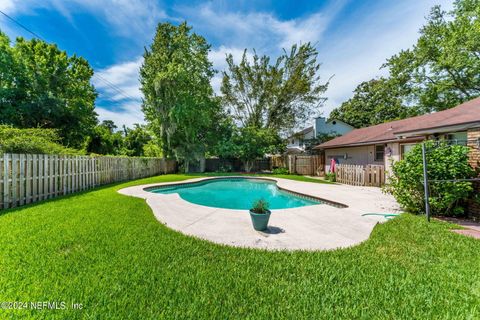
pixel 385 215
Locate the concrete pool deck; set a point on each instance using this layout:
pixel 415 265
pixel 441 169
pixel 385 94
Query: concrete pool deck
pixel 317 227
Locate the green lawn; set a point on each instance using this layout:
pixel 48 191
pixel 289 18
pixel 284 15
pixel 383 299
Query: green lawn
pixel 108 252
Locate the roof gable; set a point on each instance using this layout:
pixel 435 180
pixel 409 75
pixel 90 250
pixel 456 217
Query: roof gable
pixel 340 121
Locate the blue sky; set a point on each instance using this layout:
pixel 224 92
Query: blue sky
pixel 354 37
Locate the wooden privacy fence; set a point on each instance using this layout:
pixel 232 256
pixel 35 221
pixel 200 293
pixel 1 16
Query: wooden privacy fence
pixel 278 161
pixel 235 165
pixel 26 178
pixel 370 175
pixel 306 165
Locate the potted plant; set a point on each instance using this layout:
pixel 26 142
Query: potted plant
pixel 260 215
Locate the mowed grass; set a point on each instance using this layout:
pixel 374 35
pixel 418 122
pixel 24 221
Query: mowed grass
pixel 108 252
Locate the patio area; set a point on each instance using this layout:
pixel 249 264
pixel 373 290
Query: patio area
pixel 317 227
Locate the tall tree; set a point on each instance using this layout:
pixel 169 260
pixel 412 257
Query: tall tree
pixel 179 103
pixel 443 68
pixel 44 87
pixel 279 95
pixel 105 140
pixel 373 102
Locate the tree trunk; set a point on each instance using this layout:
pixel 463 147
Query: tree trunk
pixel 248 165
pixel 202 163
pixel 186 164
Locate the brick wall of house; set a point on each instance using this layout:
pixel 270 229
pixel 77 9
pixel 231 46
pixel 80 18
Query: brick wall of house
pixel 474 160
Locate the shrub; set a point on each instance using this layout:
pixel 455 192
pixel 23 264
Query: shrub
pixel 260 206
pixel 444 162
pixel 152 149
pixel 39 141
pixel 330 176
pixel 280 170
pixel 225 167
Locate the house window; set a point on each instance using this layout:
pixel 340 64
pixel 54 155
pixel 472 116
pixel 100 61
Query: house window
pixel 459 138
pixel 405 148
pixel 379 152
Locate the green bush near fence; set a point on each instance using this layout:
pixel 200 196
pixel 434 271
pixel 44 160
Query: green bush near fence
pixel 330 176
pixel 32 141
pixel 444 162
pixel 280 170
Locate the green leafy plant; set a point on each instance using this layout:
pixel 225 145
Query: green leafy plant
pixel 330 176
pixel 444 162
pixel 32 141
pixel 179 102
pixel 43 86
pixel 280 170
pixel 260 206
pixel 225 167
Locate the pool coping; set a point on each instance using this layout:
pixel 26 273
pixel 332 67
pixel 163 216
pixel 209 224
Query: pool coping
pixel 307 228
pixel 298 194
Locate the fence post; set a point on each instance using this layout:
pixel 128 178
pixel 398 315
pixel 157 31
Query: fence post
pixel 425 182
pixel 6 182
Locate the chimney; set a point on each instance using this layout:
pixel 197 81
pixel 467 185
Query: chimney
pixel 320 126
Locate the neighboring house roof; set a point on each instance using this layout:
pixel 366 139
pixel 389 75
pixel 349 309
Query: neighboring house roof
pixel 303 132
pixel 463 116
pixel 294 150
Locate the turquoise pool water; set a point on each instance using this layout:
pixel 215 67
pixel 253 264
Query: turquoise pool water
pixel 236 194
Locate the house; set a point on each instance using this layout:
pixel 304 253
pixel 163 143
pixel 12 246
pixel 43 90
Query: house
pixel 299 140
pixel 387 142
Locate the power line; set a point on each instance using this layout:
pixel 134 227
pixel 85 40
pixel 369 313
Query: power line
pixel 114 87
pixel 21 25
pixel 108 83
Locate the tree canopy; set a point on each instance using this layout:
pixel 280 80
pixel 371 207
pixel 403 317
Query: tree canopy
pixel 442 69
pixel 373 102
pixel 41 86
pixel 279 95
pixel 179 101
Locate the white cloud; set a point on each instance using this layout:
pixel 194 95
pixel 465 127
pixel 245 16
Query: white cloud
pixel 7 5
pixel 357 53
pixel 126 114
pixel 264 32
pixel 259 30
pixel 218 56
pixel 218 59
pixel 126 17
pixel 119 85
pixel 307 29
pixel 124 76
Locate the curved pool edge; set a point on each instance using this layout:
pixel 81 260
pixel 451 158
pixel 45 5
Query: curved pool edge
pixel 310 228
pixel 298 194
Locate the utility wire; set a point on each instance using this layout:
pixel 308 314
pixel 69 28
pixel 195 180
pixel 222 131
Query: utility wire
pixel 108 83
pixel 21 25
pixel 114 87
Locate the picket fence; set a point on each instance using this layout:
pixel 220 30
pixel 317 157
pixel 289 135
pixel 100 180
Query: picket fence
pixel 27 178
pixel 357 175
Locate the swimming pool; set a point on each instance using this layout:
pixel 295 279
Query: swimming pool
pixel 236 193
